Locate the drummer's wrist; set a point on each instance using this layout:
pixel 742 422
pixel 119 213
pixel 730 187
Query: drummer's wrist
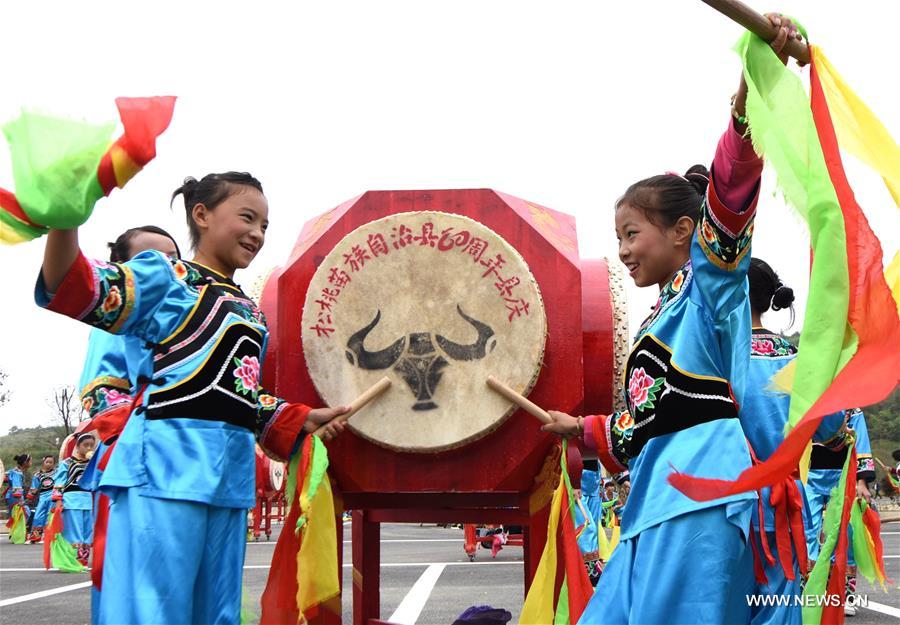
pixel 579 426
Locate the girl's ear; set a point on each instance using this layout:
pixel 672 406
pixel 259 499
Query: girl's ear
pixel 682 231
pixel 200 215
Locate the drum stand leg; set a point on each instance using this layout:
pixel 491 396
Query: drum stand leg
pixel 366 548
pixel 469 544
pixel 257 517
pixel 268 527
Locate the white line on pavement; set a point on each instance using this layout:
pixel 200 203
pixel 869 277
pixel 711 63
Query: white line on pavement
pixel 387 540
pixel 407 613
pixel 43 593
pixel 388 565
pixel 884 609
pixel 346 565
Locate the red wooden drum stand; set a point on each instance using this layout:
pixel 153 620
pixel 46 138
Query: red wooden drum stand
pixel 504 476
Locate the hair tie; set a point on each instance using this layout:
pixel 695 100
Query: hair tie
pixel 697 173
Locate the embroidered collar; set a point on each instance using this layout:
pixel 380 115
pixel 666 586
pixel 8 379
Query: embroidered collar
pixel 668 295
pixel 767 344
pixel 208 272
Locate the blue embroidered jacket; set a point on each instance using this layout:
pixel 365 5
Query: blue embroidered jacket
pixel 192 437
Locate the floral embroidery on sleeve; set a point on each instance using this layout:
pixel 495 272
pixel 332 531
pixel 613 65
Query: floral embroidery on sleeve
pixel 115 296
pixel 723 249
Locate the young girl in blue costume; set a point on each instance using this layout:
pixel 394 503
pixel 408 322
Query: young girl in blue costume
pixel 679 560
pixel 825 465
pixel 78 504
pixel 779 517
pixel 14 492
pixel 181 478
pixel 42 492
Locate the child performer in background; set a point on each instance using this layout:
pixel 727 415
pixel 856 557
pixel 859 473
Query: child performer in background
pixel 78 520
pixel 779 546
pixel 115 367
pixel 825 466
pixel 42 493
pixel 15 499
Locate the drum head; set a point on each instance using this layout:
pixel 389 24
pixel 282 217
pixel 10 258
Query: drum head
pixel 276 475
pixel 436 302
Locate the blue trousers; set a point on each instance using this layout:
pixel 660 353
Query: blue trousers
pixel 778 585
pixel 42 511
pixel 817 502
pixel 695 568
pixel 171 562
pixel 78 526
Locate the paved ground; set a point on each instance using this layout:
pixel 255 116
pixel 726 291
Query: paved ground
pixel 426 579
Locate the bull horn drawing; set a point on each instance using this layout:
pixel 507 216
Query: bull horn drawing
pixel 416 358
pixel 364 359
pixel 476 350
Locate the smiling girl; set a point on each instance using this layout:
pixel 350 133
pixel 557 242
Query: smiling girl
pixel 181 478
pixel 680 560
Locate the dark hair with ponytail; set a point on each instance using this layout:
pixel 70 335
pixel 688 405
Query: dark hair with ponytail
pixel 668 197
pixel 120 249
pixel 22 459
pixel 211 190
pixel 767 290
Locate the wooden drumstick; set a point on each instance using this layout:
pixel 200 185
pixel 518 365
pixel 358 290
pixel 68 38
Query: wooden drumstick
pixel 891 519
pixel 881 464
pixel 583 511
pixel 759 25
pixel 519 400
pixel 357 404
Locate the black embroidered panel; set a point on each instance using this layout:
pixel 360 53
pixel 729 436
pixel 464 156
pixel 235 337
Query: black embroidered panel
pixel 663 399
pixel 45 481
pixel 824 458
pixel 217 300
pixel 225 388
pixel 76 470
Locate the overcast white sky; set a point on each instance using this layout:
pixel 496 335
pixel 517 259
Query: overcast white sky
pixel 560 103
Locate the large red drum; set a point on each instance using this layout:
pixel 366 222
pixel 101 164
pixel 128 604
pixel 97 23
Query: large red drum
pixel 579 372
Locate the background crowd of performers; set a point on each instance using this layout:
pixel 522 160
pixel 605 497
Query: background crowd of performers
pixel 172 384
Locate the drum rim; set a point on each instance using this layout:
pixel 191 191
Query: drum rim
pixel 621 335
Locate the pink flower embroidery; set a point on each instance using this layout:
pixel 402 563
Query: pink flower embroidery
pixel 762 346
pixel 246 375
pixel 642 389
pixel 114 397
